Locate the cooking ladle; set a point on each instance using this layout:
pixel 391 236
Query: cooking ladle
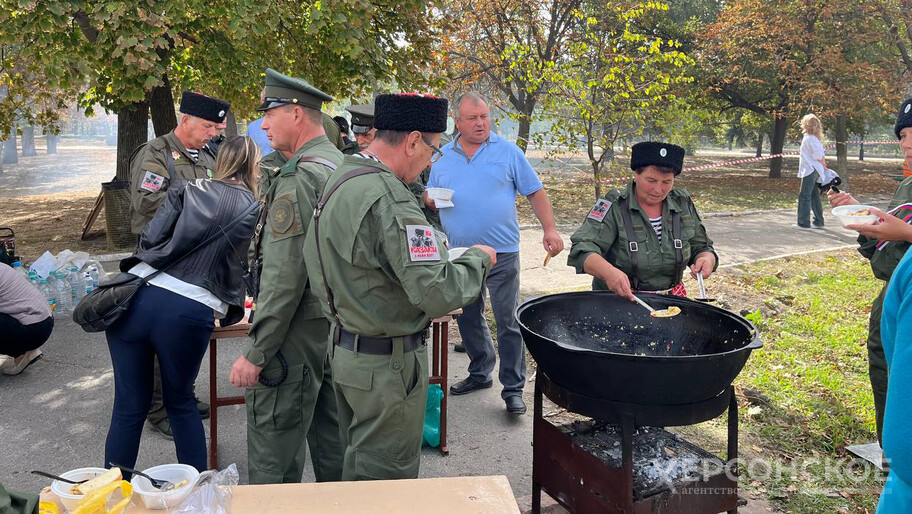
pixel 661 313
pixel 702 297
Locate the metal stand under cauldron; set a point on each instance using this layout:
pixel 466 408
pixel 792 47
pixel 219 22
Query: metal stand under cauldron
pixel 583 483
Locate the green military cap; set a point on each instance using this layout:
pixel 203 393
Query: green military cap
pixel 362 117
pixel 284 90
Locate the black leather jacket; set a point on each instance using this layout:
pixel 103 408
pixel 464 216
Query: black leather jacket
pixel 187 217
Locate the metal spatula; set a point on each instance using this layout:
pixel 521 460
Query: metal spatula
pixel 703 297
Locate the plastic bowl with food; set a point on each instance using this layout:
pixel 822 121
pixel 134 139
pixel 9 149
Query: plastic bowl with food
pixel 62 489
pixel 855 215
pixel 155 499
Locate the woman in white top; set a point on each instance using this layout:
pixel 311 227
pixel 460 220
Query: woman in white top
pixel 811 162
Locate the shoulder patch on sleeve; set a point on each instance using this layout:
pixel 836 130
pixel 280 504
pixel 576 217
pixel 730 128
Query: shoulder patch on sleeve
pixel 422 243
pixel 599 210
pixel 282 215
pixel 152 182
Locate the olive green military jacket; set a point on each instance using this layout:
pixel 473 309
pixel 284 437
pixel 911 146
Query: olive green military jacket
pixel 386 265
pixel 284 292
pixel 603 233
pixel 885 259
pixel 159 165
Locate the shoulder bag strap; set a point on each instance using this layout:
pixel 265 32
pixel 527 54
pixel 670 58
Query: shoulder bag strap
pixel 632 244
pixel 678 248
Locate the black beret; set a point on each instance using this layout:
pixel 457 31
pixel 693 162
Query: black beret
pixel 204 107
pixel 904 118
pixel 652 153
pixel 406 112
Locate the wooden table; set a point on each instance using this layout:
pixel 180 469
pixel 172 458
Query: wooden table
pixel 438 375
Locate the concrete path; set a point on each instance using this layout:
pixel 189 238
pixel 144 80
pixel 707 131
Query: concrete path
pixel 56 414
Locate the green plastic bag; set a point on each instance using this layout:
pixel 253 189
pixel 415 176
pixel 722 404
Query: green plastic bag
pixel 431 436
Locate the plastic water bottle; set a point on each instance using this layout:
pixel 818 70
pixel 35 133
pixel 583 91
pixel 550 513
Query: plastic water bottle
pixel 17 267
pixel 77 285
pixel 64 295
pixel 93 273
pixel 87 279
pixel 33 278
pixel 52 280
pixel 49 295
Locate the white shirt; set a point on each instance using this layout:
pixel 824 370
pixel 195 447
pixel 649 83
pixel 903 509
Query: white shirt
pixel 193 292
pixel 810 155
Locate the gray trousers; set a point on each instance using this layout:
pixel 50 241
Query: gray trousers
pixel 502 285
pixel 809 200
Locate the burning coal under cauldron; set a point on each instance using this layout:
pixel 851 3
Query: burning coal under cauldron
pixel 605 357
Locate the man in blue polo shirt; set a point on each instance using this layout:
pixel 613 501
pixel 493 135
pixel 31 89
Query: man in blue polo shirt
pixel 486 172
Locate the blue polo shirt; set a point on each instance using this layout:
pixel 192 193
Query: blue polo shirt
pixel 485 189
pixel 256 132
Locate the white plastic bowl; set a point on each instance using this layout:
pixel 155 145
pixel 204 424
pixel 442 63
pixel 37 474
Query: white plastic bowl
pixel 440 193
pixel 455 253
pixel 154 499
pixel 62 489
pixel 844 214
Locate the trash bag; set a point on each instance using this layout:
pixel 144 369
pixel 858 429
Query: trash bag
pixel 212 493
pixel 431 436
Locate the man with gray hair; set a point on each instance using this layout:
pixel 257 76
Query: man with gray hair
pixel 486 172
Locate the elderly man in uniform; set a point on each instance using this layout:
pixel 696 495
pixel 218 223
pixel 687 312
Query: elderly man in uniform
pixel 285 368
pixel 380 289
pixel 362 124
pixel 170 161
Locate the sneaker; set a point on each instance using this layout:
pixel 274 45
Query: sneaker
pixel 18 365
pixel 459 348
pixel 203 408
pixel 163 427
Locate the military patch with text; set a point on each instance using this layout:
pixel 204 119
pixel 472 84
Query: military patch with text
pixel 599 210
pixel 152 182
pixel 422 243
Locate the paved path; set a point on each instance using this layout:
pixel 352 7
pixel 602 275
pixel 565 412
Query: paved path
pixel 56 414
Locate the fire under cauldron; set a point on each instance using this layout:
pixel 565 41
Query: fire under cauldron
pixel 604 346
pixel 605 357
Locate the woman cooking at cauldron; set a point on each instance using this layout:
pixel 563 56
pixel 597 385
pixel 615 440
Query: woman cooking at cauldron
pixel 642 237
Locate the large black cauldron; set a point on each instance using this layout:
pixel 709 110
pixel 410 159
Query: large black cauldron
pixel 601 345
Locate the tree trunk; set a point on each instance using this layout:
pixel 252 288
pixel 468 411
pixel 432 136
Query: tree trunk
pixel 10 153
pixel 522 137
pixel 231 128
pixel 51 142
pixel 28 141
pixel 780 125
pixel 760 144
pixel 132 131
pixel 161 103
pixel 842 151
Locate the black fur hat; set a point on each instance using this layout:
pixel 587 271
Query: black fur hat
pixel 204 107
pixel 904 118
pixel 406 112
pixel 657 154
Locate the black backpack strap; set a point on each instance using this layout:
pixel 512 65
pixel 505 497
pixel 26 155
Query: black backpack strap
pixel 678 248
pixel 632 243
pixel 321 203
pixel 319 160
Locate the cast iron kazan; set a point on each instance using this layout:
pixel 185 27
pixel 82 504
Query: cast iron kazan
pixel 601 345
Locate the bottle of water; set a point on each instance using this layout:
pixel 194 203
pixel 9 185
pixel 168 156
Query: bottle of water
pixel 52 280
pixel 93 273
pixel 17 267
pixel 33 278
pixel 87 279
pixel 77 286
pixel 49 295
pixel 64 295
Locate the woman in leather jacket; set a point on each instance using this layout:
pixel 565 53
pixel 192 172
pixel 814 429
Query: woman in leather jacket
pixel 173 317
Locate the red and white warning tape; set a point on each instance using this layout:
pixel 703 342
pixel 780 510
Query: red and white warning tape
pixel 717 164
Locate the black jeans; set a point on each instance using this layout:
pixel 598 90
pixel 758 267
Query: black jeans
pixel 177 330
pixel 18 338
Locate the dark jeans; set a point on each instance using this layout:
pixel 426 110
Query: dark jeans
pixel 18 338
pixel 176 330
pixel 809 200
pixel 503 286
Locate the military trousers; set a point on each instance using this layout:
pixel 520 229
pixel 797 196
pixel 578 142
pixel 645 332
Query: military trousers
pixel 381 411
pixel 280 419
pixel 877 363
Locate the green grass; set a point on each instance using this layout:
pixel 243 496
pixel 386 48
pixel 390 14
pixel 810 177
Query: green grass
pixel 813 368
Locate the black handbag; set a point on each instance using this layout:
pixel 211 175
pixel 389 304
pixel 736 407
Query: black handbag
pixel 101 308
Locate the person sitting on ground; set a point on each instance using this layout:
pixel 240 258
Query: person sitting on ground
pixel 884 245
pixel 641 238
pixel 173 318
pixel 25 321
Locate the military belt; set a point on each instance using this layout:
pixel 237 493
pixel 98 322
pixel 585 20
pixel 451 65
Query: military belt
pixel 379 345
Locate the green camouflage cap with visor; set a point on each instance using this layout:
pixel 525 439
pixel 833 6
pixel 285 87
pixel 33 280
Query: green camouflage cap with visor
pixel 284 90
pixel 362 118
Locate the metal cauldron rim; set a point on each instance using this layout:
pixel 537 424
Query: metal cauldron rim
pixel 754 344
